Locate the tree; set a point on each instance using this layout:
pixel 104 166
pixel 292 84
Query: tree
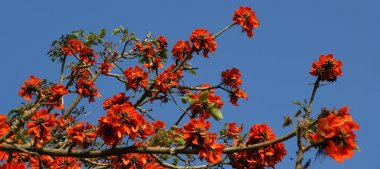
pixel 34 135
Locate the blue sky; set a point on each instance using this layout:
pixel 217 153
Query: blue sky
pixel 274 64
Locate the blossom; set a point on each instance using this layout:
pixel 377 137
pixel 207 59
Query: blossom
pixel 236 94
pixel 136 77
pixel 78 135
pixel 162 41
pixel 146 49
pixel 203 40
pixel 131 160
pixel 105 67
pixel 40 125
pixel 199 107
pixel 233 130
pixel 86 88
pixel 110 129
pixel 327 68
pixel 55 97
pixel 4 126
pixel 115 100
pixel 335 134
pixel 196 131
pixel 86 54
pixel 66 162
pixel 30 87
pixel 12 165
pixel 46 161
pixel 211 150
pixel 182 49
pixel 74 45
pixel 232 78
pixel 167 79
pixel 246 18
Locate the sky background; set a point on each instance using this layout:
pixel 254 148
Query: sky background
pixel 275 63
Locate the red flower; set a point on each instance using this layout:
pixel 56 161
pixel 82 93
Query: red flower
pixel 236 94
pixel 199 108
pixel 196 131
pixel 162 41
pixel 4 126
pixel 105 67
pixel 335 134
pixel 110 129
pixel 232 130
pixel 78 135
pixel 75 45
pixel 86 54
pixel 12 165
pixel 211 150
pixel 29 87
pixel 66 163
pixel 327 68
pixel 115 100
pixel 155 64
pixel 181 49
pixel 167 79
pixel 232 77
pixel 55 97
pixel 131 161
pixel 203 40
pixel 136 77
pixel 40 125
pixel 246 18
pixel 86 88
pixel 159 124
pixel 146 49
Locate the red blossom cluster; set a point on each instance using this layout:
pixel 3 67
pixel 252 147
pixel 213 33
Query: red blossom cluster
pixel 199 107
pixel 233 130
pixel 135 161
pixel 232 78
pixel 181 49
pixel 86 54
pixel 260 158
pixel 335 134
pixel 30 87
pixel 196 134
pixel 246 18
pixel 86 88
pixel 327 68
pixel 55 97
pixel 203 40
pixel 167 79
pixel 105 67
pixel 80 134
pixel 122 119
pixel 4 126
pixel 40 125
pixel 146 49
pixel 136 77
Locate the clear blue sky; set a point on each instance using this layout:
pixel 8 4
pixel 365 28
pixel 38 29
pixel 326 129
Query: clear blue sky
pixel 275 63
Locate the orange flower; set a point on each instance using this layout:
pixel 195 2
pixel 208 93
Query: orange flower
pixel 86 54
pixel 55 97
pixel 40 125
pixel 167 79
pixel 115 100
pixel 146 49
pixel 211 150
pixel 232 78
pixel 181 49
pixel 232 130
pixel 327 68
pixel 155 64
pixel 4 126
pixel 29 87
pixel 246 18
pixel 236 94
pixel 199 108
pixel 75 45
pixel 335 134
pixel 162 41
pixel 260 133
pixel 12 165
pixel 203 40
pixel 66 163
pixel 110 129
pixel 196 131
pixel 86 88
pixel 159 124
pixel 77 134
pixel 46 161
pixel 131 161
pixel 136 77
pixel 105 67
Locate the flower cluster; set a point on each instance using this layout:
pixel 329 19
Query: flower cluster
pixel 30 87
pixel 78 134
pixel 232 130
pixel 232 79
pixel 197 136
pixel 86 54
pixel 203 40
pixel 134 161
pixel 146 49
pixel 86 88
pixel 327 68
pixel 167 79
pixel 56 92
pixel 335 134
pixel 122 119
pixel 260 158
pixel 105 67
pixel 201 102
pixel 136 77
pixel 4 126
pixel 182 49
pixel 246 18
pixel 40 125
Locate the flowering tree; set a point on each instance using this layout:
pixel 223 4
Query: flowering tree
pixel 46 132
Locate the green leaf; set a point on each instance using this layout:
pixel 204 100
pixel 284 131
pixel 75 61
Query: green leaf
pixel 193 72
pixel 184 100
pixel 175 161
pixel 215 113
pixel 102 33
pixel 203 97
pixel 297 103
pixel 287 122
pixel 115 31
pixel 297 113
